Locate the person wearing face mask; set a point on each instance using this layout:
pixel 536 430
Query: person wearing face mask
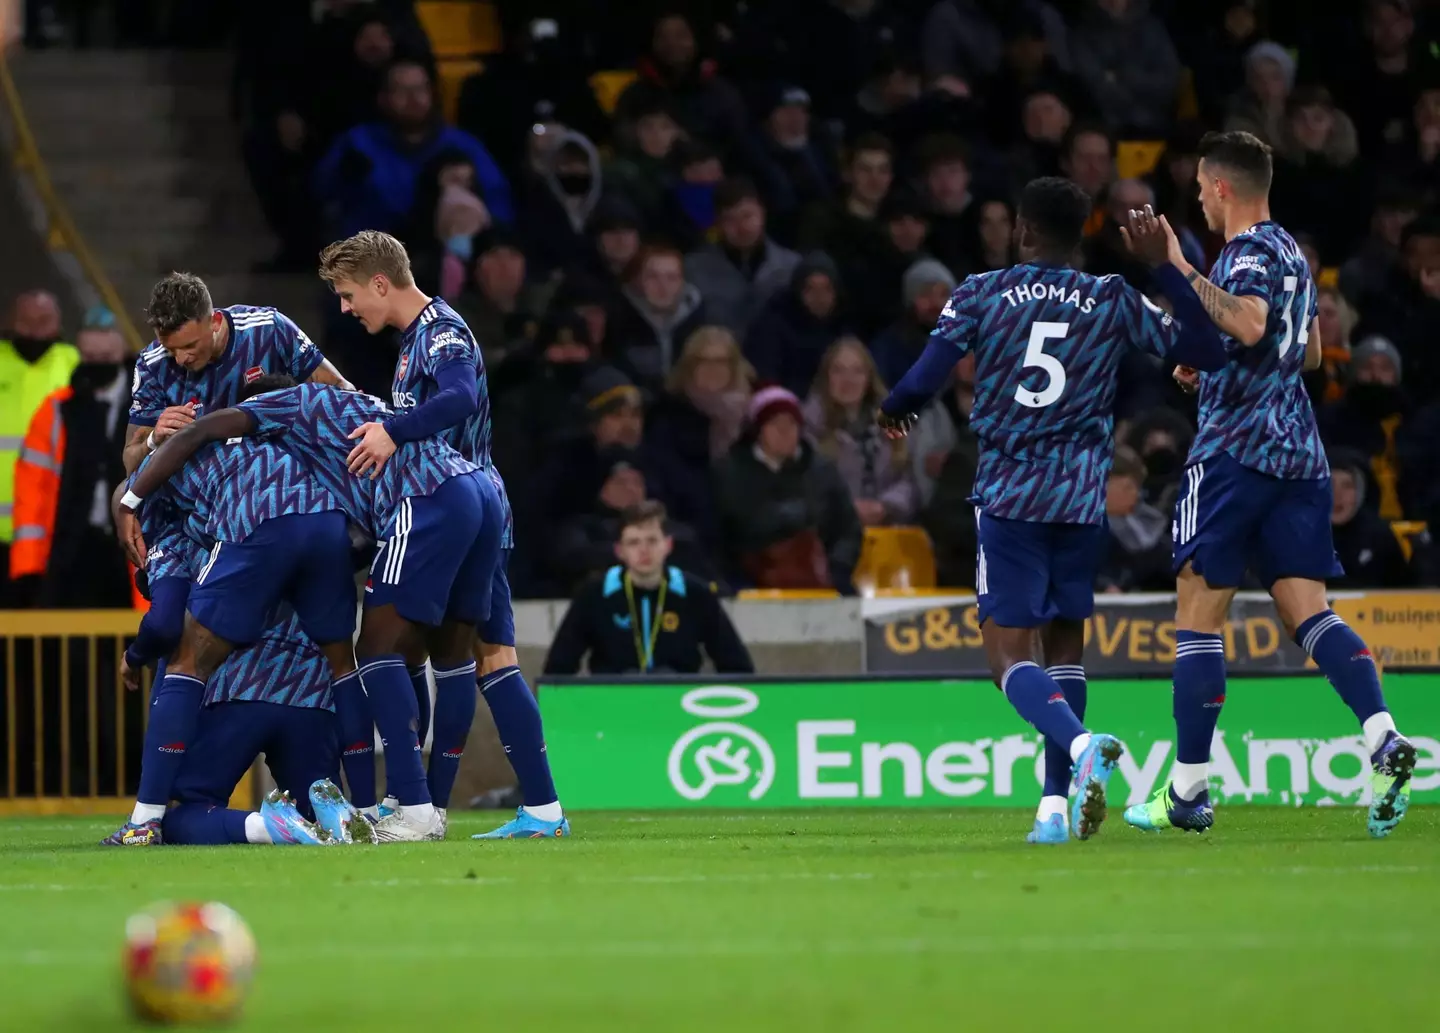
pixel 1161 437
pixel 1367 548
pixel 68 467
pixel 790 166
pixel 556 208
pixel 33 363
pixel 496 301
pixel 1369 417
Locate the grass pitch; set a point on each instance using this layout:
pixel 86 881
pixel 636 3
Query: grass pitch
pixel 839 920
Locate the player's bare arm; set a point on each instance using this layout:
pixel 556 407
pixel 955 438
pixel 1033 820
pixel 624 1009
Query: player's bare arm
pixel 168 458
pixel 137 447
pixel 1313 352
pixel 141 440
pixel 326 373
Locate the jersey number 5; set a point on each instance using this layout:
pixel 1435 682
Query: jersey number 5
pixel 1294 332
pixel 1035 358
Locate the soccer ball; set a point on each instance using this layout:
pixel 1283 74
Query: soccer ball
pixel 188 963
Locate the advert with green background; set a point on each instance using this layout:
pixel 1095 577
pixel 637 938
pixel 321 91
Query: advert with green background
pixel 1283 741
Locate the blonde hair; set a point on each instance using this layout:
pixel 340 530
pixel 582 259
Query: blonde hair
pixel 833 417
pixel 1348 317
pixel 742 374
pixel 366 254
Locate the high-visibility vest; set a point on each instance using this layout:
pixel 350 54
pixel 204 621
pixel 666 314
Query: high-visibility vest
pixel 37 491
pixel 23 387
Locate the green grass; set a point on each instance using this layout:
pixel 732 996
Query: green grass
pixel 841 920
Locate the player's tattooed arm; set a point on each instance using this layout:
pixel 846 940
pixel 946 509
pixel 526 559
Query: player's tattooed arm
pixel 136 446
pixel 1243 318
pixel 1313 348
pixel 326 373
pixel 179 447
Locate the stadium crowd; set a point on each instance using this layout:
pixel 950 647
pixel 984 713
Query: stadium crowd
pixel 699 297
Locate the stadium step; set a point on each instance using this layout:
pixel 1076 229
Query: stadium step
pixel 151 170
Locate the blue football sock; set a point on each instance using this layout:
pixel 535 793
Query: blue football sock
pixel 1071 679
pixel 1199 694
pixel 422 702
pixel 1344 659
pixel 357 738
pixel 392 700
pixel 517 720
pixel 1037 699
pixel 455 702
pixel 200 824
pixel 174 709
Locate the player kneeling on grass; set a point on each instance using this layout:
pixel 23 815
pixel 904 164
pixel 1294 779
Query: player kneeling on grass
pixel 1048 341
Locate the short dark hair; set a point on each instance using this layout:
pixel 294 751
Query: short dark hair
pixel 1057 210
pixel 1127 463
pixel 1423 226
pixel 178 298
pixel 642 513
pixel 1312 95
pixel 733 191
pixel 942 149
pixel 871 142
pixel 1085 128
pixel 269 382
pixel 1244 155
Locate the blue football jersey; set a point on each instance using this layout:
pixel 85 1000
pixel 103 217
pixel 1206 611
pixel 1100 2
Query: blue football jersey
pixel 173 540
pixel 233 486
pixel 1048 342
pixel 315 421
pixel 439 336
pixel 283 667
pixel 262 340
pixel 1256 409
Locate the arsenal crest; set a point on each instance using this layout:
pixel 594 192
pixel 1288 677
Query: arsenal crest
pixel 404 365
pixel 253 374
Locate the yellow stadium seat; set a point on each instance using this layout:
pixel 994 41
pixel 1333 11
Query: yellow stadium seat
pixel 1135 159
pixel 773 595
pixel 895 557
pixel 1329 277
pixel 607 87
pixel 460 28
pixel 1187 102
pixel 1405 532
pixel 452 73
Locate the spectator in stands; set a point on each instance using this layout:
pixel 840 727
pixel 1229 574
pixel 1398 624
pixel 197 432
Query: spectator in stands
pixel 945 169
pixel 65 554
pixel 1218 56
pixel 1139 555
pixel 707 105
pixel 791 168
pixel 641 169
pixel 1366 274
pixel 497 300
pixel 1029 67
pixel 995 248
pixel 829 46
pixel 787 340
pixel 1044 120
pixel 661 310
pixel 744 268
pixel 368 178
pixel 614 240
pixel 964 38
pixel 643 616
pixel 1260 108
pixel 699 173
pixel 926 287
pixel 1161 438
pixel 33 363
pixel 1406 311
pixel 944 454
pixel 1367 419
pixel 555 210
pixel 1316 175
pixel 543 404
pixel 1124 56
pixel 785 514
pixel 701 413
pixel 849 228
pixel 1105 252
pixel 891 90
pixel 444 220
pixel 593 300
pixel 840 420
pixel 1173 180
pixel 1335 320
pixel 1364 543
pixel 1379 88
pixel 1088 159
pixel 540 77
pixel 1416 160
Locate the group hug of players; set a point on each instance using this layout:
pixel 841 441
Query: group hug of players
pixel 261 482
pixel 261 479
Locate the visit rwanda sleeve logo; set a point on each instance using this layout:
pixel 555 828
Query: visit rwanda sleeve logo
pixel 721 753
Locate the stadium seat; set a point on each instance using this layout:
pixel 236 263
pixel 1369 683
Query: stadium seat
pixel 607 87
pixel 1187 101
pixel 771 595
pixel 895 557
pixel 460 28
pixel 451 74
pixel 1134 159
pixel 1405 532
pixel 1329 277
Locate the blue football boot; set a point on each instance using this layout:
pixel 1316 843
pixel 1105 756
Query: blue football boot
pixel 526 826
